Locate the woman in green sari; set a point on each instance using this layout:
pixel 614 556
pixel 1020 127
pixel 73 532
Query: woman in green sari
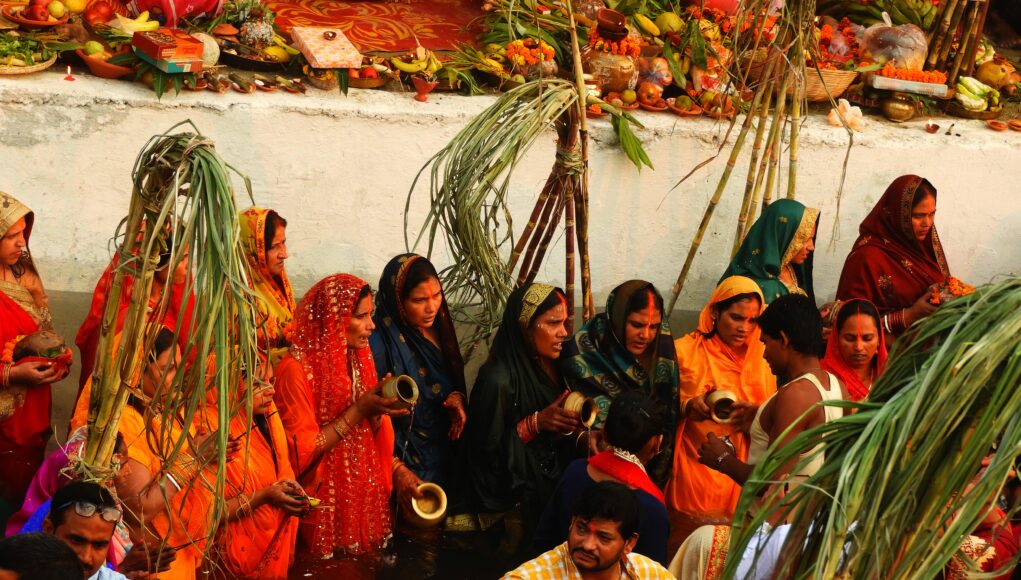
pixel 627 347
pixel 518 439
pixel 777 252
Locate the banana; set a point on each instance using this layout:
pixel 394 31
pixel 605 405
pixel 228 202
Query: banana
pixel 647 25
pixel 279 41
pixel 131 25
pixel 415 66
pixel 433 65
pixel 143 17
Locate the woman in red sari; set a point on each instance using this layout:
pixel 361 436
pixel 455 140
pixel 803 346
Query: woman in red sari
pixel 88 333
pixel 339 426
pixel 856 349
pixel 23 310
pixel 898 256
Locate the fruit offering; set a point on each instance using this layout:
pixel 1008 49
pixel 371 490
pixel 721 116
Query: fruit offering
pixel 975 96
pixel 25 50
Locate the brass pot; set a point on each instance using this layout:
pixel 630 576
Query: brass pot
pixel 582 406
pixel 431 509
pixel 898 108
pixel 613 73
pixel 720 404
pixel 403 387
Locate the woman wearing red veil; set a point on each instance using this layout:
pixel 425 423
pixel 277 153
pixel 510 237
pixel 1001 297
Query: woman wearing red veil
pixel 25 387
pixel 856 349
pixel 898 256
pixel 338 424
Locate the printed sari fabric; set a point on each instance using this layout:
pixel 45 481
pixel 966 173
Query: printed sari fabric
pixel 276 298
pixel 596 362
pixel 782 231
pixel 707 363
pixel 500 470
pixel 422 440
pixel 23 310
pixel 317 382
pixel 260 544
pixel 887 264
pixel 834 362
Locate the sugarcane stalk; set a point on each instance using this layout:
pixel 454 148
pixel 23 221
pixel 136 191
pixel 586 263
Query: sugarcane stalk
pixel 940 38
pixel 715 200
pixel 754 162
pixel 757 196
pixel 580 181
pixel 569 202
pixel 796 98
pixel 546 222
pixel 581 213
pixel 944 51
pixel 969 43
pixel 547 236
pixel 779 116
pixel 940 10
pixel 977 28
pixel 526 234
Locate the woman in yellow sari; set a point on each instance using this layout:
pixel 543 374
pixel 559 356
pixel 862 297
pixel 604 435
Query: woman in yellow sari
pixel 264 237
pixel 724 353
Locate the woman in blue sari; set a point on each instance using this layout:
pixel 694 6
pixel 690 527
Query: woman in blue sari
pixel 415 336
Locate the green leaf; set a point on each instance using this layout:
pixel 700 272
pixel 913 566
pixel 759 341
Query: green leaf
pixel 344 80
pixel 868 68
pixel 178 80
pixel 631 145
pixel 123 59
pixel 680 81
pixel 159 82
pixel 697 44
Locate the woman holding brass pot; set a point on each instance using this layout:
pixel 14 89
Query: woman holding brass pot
pixel 723 354
pixel 338 423
pixel 515 447
pixel 628 347
pixel 415 337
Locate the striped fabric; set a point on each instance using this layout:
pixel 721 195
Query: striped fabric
pixel 557 565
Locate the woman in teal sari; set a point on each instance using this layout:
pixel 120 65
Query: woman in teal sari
pixel 627 347
pixel 777 252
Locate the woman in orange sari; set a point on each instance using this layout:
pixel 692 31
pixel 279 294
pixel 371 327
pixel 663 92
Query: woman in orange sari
pixel 341 437
pixel 258 539
pixel 724 353
pixel 264 237
pixel 24 387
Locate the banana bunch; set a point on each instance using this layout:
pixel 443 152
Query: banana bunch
pixel 921 13
pixel 282 43
pixel 424 61
pixel 976 96
pixel 133 25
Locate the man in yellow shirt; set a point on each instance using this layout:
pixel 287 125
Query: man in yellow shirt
pixel 604 530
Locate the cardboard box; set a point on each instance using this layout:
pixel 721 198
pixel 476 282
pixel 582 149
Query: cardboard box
pixel 887 83
pixel 323 52
pixel 171 65
pixel 168 43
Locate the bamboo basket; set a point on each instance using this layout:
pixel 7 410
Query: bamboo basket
pixel 24 70
pixel 815 89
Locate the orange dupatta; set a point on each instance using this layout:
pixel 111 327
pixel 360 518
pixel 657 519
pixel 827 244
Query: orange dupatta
pixel 707 364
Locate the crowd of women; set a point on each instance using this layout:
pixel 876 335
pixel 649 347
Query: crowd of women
pixel 322 427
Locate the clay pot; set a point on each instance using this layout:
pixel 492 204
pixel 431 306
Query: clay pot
pixel 720 403
pixel 614 73
pixel 423 88
pixel 429 511
pixel 403 387
pixel 583 406
pixel 544 69
pixel 898 108
pixel 612 24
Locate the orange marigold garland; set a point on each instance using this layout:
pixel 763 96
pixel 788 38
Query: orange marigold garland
pixel 8 353
pixel 919 76
pixel 529 51
pixel 849 50
pixel 947 291
pixel 626 46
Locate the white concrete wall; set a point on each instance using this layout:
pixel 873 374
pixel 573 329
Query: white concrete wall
pixel 339 170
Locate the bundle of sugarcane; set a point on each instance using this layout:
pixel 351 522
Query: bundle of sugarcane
pixel 957 30
pixel 908 477
pixel 183 200
pixel 775 106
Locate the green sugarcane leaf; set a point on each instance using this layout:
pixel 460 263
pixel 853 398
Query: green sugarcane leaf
pixel 675 67
pixel 343 79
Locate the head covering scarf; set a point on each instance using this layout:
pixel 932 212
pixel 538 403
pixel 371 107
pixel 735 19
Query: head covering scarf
pixel 782 231
pixel 500 471
pixel 12 210
pixel 354 477
pixel 277 298
pixel 887 265
pixel 707 363
pixel 835 363
pixel 421 439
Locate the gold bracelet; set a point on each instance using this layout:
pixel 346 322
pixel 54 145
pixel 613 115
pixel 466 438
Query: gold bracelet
pixel 336 429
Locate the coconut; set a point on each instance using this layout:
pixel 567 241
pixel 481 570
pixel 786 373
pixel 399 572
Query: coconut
pixel 210 49
pixel 42 343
